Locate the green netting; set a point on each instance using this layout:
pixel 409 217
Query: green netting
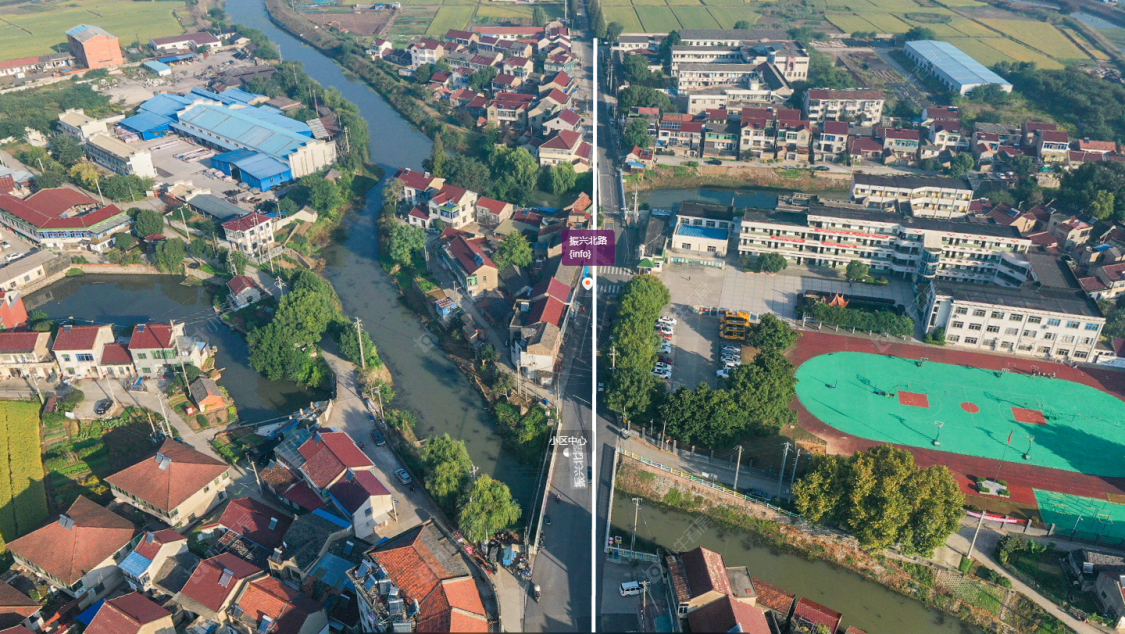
pixel 1092 518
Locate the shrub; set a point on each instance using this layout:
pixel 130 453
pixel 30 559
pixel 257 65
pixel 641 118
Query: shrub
pixel 75 272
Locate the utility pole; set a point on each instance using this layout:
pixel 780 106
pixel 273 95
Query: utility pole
pixel 662 430
pixel 973 544
pixel 280 287
pixel 359 338
pixel 796 458
pixel 636 515
pixel 613 356
pixel 737 467
pixel 167 427
pixel 98 184
pixel 781 472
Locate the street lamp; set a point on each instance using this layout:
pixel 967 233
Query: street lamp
pixel 937 439
pixel 1030 440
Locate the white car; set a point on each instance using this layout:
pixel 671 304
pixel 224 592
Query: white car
pixel 732 348
pixel 12 257
pixel 662 374
pixel 663 366
pixel 671 321
pixel 732 357
pixel 723 373
pixel 665 347
pixel 730 365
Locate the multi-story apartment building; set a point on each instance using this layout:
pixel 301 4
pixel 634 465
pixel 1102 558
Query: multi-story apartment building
pixel 789 57
pixel 924 196
pixel 1052 146
pixel 691 77
pixel 454 206
pixel 863 107
pixel 177 485
pixel 915 248
pixel 94 47
pixel 251 234
pixel 118 156
pixel 1049 318
pixel 757 134
pixel 831 140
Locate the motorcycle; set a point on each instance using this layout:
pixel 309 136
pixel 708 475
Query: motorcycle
pixel 535 591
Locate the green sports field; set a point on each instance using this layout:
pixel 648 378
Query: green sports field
pixel 1082 428
pixel 1092 518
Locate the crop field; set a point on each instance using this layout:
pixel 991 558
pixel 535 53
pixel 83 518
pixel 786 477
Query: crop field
pixel 661 16
pixel 435 17
pixel 1040 35
pixel 23 498
pixel 30 30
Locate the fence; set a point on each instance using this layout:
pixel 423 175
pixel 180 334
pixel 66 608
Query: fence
pixel 613 553
pixel 708 483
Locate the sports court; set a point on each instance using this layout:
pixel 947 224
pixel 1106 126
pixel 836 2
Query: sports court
pixel 1089 518
pixel 887 399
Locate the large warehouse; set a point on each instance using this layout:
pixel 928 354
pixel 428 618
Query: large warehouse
pixel 952 67
pixel 260 146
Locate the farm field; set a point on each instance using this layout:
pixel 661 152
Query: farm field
pixel 661 16
pixel 23 499
pixel 435 17
pixel 49 21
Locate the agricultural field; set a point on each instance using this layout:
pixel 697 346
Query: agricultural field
pixel 661 16
pixel 23 499
pixel 38 29
pixel 435 17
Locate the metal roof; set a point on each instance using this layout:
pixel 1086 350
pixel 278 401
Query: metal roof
pixel 165 104
pixel 954 63
pixel 216 207
pixel 144 121
pixel 234 128
pixel 156 66
pixel 256 164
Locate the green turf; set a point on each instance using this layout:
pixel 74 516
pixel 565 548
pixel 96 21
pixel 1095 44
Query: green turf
pixel 1082 433
pixel 1100 519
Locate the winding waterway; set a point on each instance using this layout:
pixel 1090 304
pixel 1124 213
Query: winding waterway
pixel 426 381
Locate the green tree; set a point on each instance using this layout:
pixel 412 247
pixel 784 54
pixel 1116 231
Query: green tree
pixel 405 242
pixel 85 174
pixel 120 187
pixel 124 241
pixel 515 173
pixel 539 16
pixel 170 255
pixel 147 222
pixel 468 172
pixel 503 383
pixel 324 195
pixel 50 179
pixel 961 164
pixel 918 33
pixel 438 156
pixel 771 334
pixel 742 25
pixel 772 263
pixel 613 31
pixel 65 149
pixel 393 194
pixel 1102 205
pixel 857 271
pixel 672 39
pixel 488 508
pixel 514 250
pixel 644 97
pixel 482 78
pixel 447 466
pixel 636 133
pixel 562 178
pixel 237 261
pixel 349 344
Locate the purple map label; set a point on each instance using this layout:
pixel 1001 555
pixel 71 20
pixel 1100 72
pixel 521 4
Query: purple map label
pixel 588 247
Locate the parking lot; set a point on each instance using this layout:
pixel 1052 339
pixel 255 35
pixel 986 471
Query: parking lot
pixel 140 85
pixel 177 159
pixel 695 348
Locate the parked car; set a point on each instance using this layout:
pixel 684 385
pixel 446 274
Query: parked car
pixel 665 329
pixel 5 244
pixel 662 374
pixel 664 359
pixel 671 321
pixel 663 366
pixel 665 347
pixel 731 357
pixel 378 438
pixel 758 493
pixel 821 168
pixel 730 365
pixel 722 373
pixel 12 257
pixel 103 406
pixel 714 162
pixel 731 348
pixel 601 386
pixel 403 476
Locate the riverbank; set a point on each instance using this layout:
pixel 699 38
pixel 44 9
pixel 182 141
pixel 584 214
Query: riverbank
pixel 737 177
pixel 982 605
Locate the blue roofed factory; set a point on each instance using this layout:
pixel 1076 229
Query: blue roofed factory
pixel 258 144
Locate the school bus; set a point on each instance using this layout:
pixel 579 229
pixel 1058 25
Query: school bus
pixel 733 325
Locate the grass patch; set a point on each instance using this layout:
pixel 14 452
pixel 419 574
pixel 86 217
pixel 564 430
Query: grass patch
pixel 885 22
pixel 1022 53
pixel 451 18
pixel 658 19
pixel 695 18
pixel 48 23
pixel 727 17
pixel 849 23
pixel 626 16
pixel 1042 36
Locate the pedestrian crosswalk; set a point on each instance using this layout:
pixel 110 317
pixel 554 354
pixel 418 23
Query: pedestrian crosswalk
pixel 615 270
pixel 609 288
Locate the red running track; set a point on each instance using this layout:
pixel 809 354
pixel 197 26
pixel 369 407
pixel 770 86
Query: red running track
pixel 1022 478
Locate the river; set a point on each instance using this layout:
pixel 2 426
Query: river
pixel 864 604
pixel 426 381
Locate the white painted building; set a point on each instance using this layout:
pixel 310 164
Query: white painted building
pixel 118 156
pixel 926 196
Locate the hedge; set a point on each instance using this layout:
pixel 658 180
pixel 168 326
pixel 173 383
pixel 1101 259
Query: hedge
pixel 884 322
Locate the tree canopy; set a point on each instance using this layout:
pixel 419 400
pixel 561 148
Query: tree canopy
pixel 488 508
pixel 883 498
pixel 447 467
pixel 1090 106
pixel 632 389
pixel 281 349
pixel 857 271
pixel 147 222
pixel 644 97
pixel 771 334
pixel 636 133
pixel 65 149
pixel 170 255
pixel 1097 189
pixel 405 241
pixel 514 250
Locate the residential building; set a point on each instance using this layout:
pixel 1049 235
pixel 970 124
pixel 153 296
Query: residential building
pixel 379 48
pixel 566 119
pixel 491 212
pixel 268 605
pixel 700 577
pixel 26 66
pixel 244 291
pixel 215 583
pixel 1052 146
pixel 206 394
pixel 454 206
pixel 1071 231
pixel 16 609
pixel 952 67
pixel 157 349
pixel 721 140
pixel 729 615
pixel 177 485
pixel 473 270
pixel 680 136
pixel 794 137
pixel 831 141
pixel 430 586
pixel 25 355
pixel 365 500
pixel 79 349
pixel 789 57
pixel 309 537
pixel 417 187
pixel 252 520
pixel 809 617
pixel 1050 318
pixel 118 156
pixel 757 135
pixel 948 135
pixel 1109 593
pixel 535 333
pixel 132 613
pixel 199 41
pixel 252 234
pixel 566 146
pixel 78 553
pixel 81 126
pixel 425 51
pixel 327 457
pixel 63 218
pixel 899 145
pixel 923 196
pixel 154 550
pixel 862 107
pixel 93 47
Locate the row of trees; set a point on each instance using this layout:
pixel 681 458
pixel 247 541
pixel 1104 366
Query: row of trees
pixel 883 498
pixel 880 321
pixel 633 390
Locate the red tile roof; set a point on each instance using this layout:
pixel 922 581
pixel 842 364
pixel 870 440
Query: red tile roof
pixel 560 79
pixel 152 337
pixel 729 615
pixel 416 180
pixel 11 341
pixel 854 95
pixel 774 597
pixel 854 630
pixel 151 543
pixel 252 519
pixel 469 254
pixel 353 492
pixel 288 608
pixel 705 571
pixel 205 587
pixel 570 117
pixel 240 283
pixel 496 207
pixel 76 338
pixel 15 606
pixel 127 615
pixel 328 457
pixel 1035 126
pixel 418 212
pixel 68 554
pixel 116 354
pixel 548 310
pixel 455 608
pixel 552 287
pixel 249 221
pixel 898 133
pixel 814 612
pixel 1097 146
pixel 1055 136
pixel 185 472
pixel 1115 272
pixel 564 140
pixel 303 495
pixel 836 127
pixel 45 209
pixel 788 114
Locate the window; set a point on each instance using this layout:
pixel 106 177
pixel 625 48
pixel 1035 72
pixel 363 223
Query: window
pixel 82 356
pixel 953 338
pixel 1007 345
pixel 1015 317
pixel 1029 333
pixel 66 358
pixel 1053 322
pixel 711 249
pixel 367 511
pixel 1048 335
pixel 1091 326
pixel 1080 355
pixel 997 314
pixel 978 313
pixel 1026 347
pixel 686 245
pixel 1087 341
pixel 1034 320
pixel 1072 324
pixel 142 355
pixel 1068 339
pixel 1045 349
pixel 1011 331
pixel 958 324
pixel 970 341
pixel 962 311
pixel 993 329
pixel 974 326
